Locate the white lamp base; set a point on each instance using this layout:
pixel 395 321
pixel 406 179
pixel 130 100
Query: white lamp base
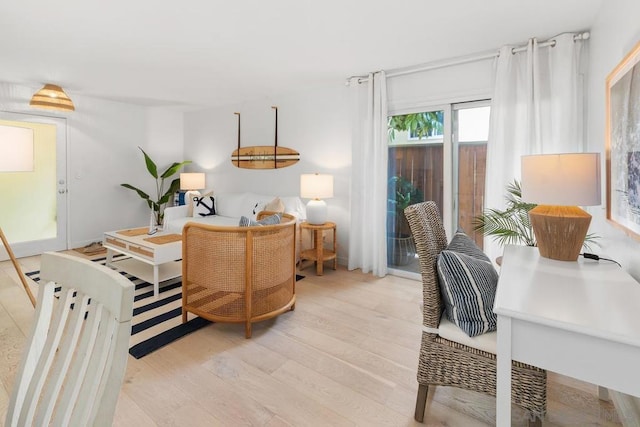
pixel 316 212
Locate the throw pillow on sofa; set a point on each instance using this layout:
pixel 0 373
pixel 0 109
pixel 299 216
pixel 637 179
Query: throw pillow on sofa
pixel 269 220
pixel 203 206
pixel 275 205
pixel 468 283
pixel 190 203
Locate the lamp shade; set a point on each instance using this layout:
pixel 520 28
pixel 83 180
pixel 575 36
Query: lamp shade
pixel 52 97
pixel 316 186
pixel 569 179
pixel 16 145
pixel 192 181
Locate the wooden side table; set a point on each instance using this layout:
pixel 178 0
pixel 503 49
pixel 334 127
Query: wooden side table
pixel 318 253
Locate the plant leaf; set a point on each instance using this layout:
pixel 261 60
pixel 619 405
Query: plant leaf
pixel 175 167
pixel 175 184
pixel 137 190
pixel 151 166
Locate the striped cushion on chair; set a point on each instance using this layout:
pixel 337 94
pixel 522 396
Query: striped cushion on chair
pixel 468 287
pixel 463 244
pixel 468 284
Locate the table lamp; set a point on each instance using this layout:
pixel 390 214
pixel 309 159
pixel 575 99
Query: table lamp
pixel 191 183
pixel 18 158
pixel 316 187
pixel 558 183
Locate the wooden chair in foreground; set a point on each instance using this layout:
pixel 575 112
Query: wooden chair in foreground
pixel 74 362
pixel 239 274
pixel 449 363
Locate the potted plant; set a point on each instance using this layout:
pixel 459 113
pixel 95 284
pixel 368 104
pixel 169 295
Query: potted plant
pixel 162 197
pixel 401 249
pixel 512 226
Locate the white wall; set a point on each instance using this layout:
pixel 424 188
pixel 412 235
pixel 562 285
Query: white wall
pixel 614 33
pixel 314 122
pixel 102 141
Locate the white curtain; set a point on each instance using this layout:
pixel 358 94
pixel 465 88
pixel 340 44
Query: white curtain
pixel 537 108
pixel 367 227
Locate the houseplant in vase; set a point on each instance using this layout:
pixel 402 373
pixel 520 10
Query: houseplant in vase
pixel 163 194
pixel 401 249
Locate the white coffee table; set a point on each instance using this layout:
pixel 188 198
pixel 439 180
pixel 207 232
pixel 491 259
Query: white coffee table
pixel 151 258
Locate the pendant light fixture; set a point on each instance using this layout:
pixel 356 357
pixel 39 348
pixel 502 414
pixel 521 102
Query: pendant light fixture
pixel 52 97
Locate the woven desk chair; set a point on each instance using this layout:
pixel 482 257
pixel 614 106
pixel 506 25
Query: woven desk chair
pixel 73 365
pixel 449 363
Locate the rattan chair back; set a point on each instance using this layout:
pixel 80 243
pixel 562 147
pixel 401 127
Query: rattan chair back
pixel 239 274
pixel 430 237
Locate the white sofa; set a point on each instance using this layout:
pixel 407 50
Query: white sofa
pixel 229 208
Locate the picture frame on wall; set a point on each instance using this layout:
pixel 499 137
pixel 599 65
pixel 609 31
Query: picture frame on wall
pixel 623 144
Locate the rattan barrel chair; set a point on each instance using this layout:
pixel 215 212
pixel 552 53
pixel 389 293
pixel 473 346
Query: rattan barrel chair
pixel 449 363
pixel 239 274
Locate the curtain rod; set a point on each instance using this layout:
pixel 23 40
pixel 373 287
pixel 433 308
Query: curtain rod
pixel 465 60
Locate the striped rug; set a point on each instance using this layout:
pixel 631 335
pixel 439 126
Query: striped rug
pixel 156 322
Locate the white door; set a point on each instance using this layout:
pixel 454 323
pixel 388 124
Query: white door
pixel 33 212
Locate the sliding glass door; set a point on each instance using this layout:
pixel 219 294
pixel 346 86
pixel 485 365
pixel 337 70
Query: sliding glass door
pixel 436 154
pixel 416 171
pixel 34 206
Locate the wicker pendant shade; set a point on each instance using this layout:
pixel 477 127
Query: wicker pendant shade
pixel 52 97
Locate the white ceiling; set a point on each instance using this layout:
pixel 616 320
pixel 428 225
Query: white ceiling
pixel 195 53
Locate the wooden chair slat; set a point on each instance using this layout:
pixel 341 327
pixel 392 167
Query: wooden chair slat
pixel 62 359
pixel 78 370
pixel 94 375
pixel 51 345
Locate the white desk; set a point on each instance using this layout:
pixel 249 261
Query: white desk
pixel 580 319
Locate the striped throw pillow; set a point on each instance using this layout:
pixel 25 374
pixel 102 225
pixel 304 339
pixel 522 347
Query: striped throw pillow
pixel 463 244
pixel 468 283
pixel 269 220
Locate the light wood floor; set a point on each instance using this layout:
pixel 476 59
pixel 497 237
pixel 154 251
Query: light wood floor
pixel 346 356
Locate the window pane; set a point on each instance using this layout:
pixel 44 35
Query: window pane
pixel 472 132
pixel 30 192
pixel 473 124
pixel 415 174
